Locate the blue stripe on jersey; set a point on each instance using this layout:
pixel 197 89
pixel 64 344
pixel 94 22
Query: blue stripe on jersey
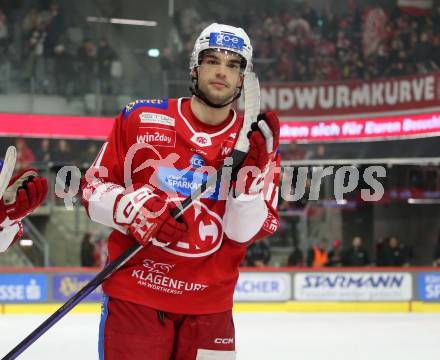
pixel 104 313
pixel 132 106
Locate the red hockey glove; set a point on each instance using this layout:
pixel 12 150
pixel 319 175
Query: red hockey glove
pixel 264 140
pixel 141 209
pixel 25 192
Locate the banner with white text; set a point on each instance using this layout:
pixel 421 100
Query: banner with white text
pixel 335 100
pixel 387 128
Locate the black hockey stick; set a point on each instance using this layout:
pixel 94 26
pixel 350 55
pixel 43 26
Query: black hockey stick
pixel 252 108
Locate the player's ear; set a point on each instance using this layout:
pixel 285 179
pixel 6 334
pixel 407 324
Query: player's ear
pixel 240 80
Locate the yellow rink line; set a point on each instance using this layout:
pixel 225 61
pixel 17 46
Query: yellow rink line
pixel 291 306
pixel 296 306
pixel 47 308
pixel 417 306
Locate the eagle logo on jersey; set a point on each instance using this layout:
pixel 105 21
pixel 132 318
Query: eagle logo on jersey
pixel 157 268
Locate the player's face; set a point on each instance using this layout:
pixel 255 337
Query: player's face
pixel 219 75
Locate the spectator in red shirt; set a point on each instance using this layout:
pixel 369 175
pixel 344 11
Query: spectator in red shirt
pixel 25 156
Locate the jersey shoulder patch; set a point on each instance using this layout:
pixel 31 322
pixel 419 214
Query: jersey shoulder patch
pixel 134 105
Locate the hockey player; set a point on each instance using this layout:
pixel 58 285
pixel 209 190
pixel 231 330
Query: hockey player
pixel 173 299
pixel 25 192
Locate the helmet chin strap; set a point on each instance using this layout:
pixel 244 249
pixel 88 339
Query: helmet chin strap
pixel 196 92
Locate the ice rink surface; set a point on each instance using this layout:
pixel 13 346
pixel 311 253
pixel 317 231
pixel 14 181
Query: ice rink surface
pixel 274 336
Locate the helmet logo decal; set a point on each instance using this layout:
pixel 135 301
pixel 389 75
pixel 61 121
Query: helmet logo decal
pixel 225 37
pixel 226 40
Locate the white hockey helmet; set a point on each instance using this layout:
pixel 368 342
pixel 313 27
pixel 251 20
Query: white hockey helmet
pixel 225 37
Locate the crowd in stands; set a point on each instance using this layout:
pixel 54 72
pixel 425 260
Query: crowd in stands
pixel 292 42
pixel 388 252
pixel 298 43
pixel 53 153
pixel 332 49
pixel 40 53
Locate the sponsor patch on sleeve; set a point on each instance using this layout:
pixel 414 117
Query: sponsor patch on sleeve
pixel 271 224
pixel 132 106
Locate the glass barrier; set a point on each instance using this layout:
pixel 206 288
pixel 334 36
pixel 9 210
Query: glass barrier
pixel 322 203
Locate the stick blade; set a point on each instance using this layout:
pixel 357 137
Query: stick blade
pixel 7 169
pixel 251 87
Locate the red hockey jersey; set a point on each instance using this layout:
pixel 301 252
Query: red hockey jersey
pixel 162 144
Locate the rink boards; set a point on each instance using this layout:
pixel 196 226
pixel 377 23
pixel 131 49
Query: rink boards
pixel 266 290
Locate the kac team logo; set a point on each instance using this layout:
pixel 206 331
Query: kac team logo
pixel 201 139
